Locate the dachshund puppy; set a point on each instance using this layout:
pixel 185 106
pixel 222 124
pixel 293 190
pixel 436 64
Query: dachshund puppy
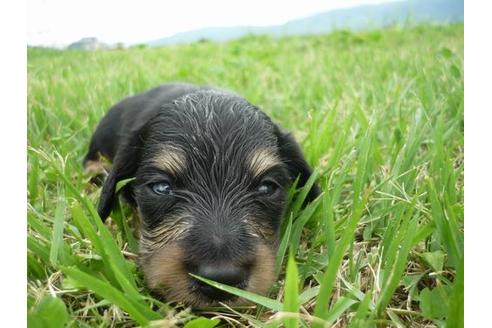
pixel 211 178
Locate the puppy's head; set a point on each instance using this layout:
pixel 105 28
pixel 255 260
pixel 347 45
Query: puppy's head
pixel 212 173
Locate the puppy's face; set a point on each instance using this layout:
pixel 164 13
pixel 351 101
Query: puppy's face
pixel 211 190
pixel 212 174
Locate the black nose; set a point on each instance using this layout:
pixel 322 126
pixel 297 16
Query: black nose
pixel 235 276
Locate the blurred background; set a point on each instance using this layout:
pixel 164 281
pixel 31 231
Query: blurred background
pixel 96 24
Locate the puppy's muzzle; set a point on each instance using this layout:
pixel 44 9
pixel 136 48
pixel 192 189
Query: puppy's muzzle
pixel 224 273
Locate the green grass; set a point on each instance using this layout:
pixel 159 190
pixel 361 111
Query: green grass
pixel 379 115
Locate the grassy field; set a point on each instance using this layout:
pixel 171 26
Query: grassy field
pixel 379 115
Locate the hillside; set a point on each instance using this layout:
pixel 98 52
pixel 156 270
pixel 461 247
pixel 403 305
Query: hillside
pixel 356 18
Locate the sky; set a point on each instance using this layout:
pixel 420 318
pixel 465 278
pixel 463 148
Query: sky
pixel 61 22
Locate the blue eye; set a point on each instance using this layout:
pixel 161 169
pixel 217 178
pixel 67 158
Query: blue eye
pixel 267 188
pixel 162 188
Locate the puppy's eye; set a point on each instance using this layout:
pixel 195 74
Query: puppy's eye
pixel 162 188
pixel 267 188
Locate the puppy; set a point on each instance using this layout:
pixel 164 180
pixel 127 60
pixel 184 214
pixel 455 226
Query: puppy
pixel 211 178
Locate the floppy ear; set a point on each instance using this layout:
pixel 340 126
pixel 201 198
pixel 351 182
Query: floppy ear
pixel 297 166
pixel 125 165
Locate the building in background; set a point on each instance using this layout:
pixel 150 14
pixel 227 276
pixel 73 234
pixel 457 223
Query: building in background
pixel 88 44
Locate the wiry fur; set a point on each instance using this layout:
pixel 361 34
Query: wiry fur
pixel 215 149
pixel 170 159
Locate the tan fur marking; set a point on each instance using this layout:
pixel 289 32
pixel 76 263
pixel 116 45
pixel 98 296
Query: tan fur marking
pixel 95 168
pixel 262 274
pixel 170 158
pixel 164 234
pixel 257 229
pixel 169 231
pixel 165 273
pixel 262 160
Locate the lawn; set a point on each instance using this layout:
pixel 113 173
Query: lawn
pixel 379 115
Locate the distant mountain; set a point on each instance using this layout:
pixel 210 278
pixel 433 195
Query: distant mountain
pixel 356 18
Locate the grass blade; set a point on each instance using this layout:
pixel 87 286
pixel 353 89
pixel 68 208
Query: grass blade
pixel 329 277
pixel 342 304
pixel 255 298
pixel 399 266
pixel 283 247
pixel 202 323
pixel 291 292
pixel 447 235
pixel 360 318
pixel 137 311
pixel 57 239
pixel 456 311
pixel 301 197
pixel 39 249
pixel 50 312
pixel 109 251
pixel 328 223
pixel 301 221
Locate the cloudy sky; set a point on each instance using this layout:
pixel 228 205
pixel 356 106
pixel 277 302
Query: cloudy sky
pixel 60 22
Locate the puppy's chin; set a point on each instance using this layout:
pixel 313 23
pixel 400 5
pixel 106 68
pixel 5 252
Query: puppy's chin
pixel 167 276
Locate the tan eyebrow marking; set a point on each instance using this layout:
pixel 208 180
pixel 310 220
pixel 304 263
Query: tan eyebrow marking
pixel 262 160
pixel 171 159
